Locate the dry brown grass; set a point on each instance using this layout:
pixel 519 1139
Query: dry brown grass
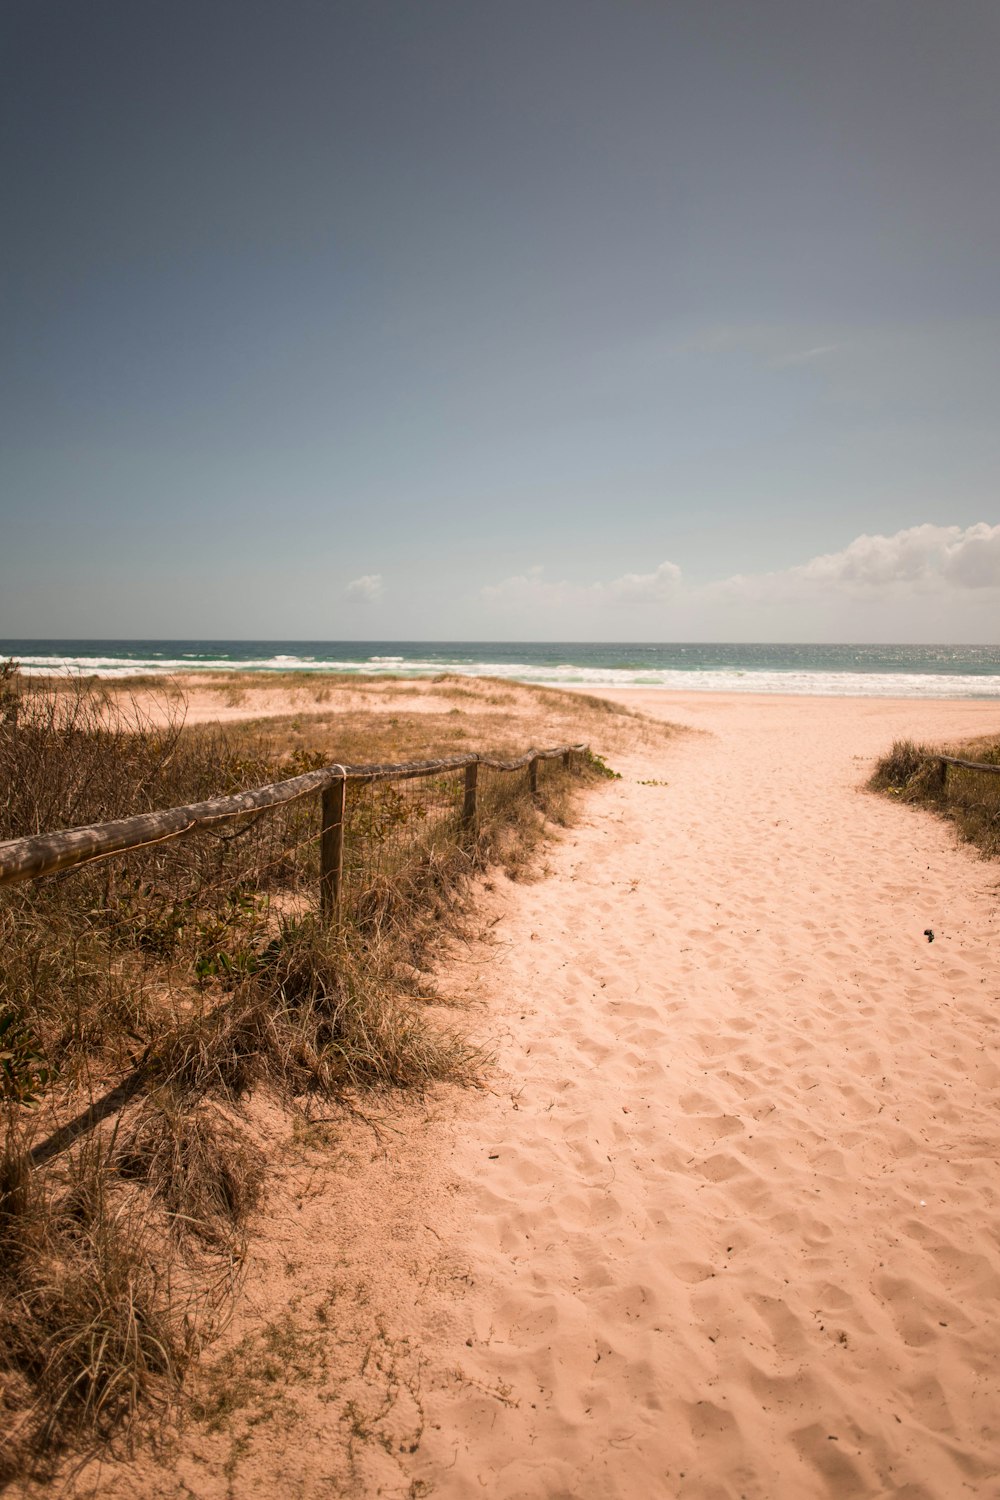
pixel 366 718
pixel 90 1334
pixel 968 799
pixel 196 1160
pixel 201 972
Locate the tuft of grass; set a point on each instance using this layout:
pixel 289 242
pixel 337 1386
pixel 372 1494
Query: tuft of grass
pixel 199 1164
pixel 89 1336
pixel 968 799
pixel 319 1014
pixel 219 1049
pixel 343 1021
pixel 894 771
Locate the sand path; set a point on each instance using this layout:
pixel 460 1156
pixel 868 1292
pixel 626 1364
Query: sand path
pixel 739 1237
pixel 726 1225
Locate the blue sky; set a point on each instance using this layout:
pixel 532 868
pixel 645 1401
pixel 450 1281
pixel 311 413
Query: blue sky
pixel 561 319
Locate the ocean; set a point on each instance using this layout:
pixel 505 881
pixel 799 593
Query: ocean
pixel 868 671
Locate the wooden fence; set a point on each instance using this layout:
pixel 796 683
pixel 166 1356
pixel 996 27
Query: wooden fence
pixel 942 763
pixel 46 854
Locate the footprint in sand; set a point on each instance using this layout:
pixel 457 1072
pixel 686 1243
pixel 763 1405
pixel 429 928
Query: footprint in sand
pixel 692 1271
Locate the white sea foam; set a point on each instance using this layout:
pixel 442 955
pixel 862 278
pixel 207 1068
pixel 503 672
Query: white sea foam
pixel 718 680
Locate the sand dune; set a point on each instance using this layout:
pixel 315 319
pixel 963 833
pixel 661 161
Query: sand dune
pixel 726 1225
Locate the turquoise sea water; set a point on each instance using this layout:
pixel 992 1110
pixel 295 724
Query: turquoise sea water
pixel 839 670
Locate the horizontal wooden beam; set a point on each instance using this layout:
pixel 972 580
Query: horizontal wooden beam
pixel 968 765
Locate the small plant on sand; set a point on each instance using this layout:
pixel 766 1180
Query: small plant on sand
pixel 599 766
pixel 24 1071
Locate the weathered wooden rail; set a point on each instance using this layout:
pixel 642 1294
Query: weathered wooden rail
pixel 942 762
pixel 968 765
pixel 49 853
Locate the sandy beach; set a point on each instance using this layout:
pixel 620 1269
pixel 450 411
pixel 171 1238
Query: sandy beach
pixel 724 1223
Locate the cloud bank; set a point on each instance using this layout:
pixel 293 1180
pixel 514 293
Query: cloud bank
pixel 919 560
pixel 928 560
pixel 533 588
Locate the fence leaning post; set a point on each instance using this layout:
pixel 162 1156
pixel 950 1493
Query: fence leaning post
pixel 331 846
pixel 567 759
pixel 533 776
pixel 469 805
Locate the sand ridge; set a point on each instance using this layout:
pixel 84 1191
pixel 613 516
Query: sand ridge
pixel 725 1226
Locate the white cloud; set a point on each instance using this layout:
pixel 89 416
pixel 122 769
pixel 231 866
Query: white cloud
pixel 920 557
pixel 529 588
pixel 919 562
pixel 645 588
pixel 533 589
pixel 366 589
pixel 804 356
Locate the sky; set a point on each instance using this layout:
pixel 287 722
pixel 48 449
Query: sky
pixel 633 320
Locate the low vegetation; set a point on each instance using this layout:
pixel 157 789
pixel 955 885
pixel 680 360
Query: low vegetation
pixel 146 998
pixel 969 799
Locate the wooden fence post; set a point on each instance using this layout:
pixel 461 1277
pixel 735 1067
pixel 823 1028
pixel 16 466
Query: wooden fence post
pixel 471 783
pixel 533 776
pixel 331 848
pixel 567 759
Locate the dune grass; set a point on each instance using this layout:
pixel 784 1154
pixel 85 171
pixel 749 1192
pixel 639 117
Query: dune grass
pixel 197 975
pixel 970 800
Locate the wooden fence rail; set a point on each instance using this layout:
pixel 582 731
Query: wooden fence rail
pixel 967 765
pixel 942 762
pixel 48 853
